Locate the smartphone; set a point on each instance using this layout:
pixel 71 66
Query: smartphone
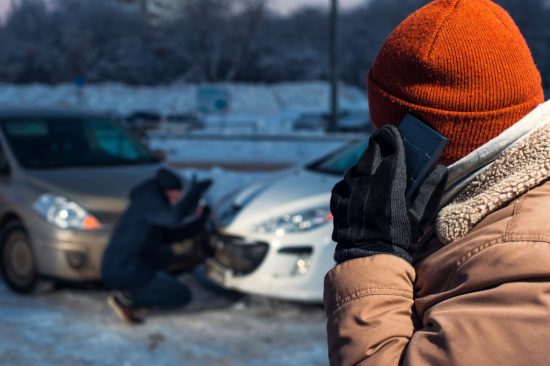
pixel 423 148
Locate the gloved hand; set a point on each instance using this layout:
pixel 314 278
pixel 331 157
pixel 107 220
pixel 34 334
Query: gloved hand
pixel 204 185
pixel 192 195
pixel 371 213
pixel 197 188
pixel 204 212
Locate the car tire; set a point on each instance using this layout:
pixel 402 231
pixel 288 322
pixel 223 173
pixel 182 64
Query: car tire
pixel 17 261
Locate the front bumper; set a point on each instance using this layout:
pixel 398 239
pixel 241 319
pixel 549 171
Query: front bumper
pixel 293 267
pixel 77 255
pixel 67 254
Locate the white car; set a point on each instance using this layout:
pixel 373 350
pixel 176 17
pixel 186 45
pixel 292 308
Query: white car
pixel 273 238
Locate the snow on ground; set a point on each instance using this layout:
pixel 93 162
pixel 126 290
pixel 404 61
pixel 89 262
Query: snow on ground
pixel 315 97
pixel 270 107
pixel 75 326
pixel 244 150
pixel 246 99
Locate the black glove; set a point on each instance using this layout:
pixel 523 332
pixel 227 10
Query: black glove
pixel 205 214
pixel 371 213
pixel 192 196
pixel 204 185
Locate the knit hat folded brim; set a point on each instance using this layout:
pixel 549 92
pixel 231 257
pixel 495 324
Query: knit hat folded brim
pixel 168 179
pixel 462 67
pixel 466 130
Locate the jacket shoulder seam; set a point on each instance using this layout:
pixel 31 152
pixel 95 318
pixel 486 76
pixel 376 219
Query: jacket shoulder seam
pixel 528 236
pixel 477 250
pixel 373 291
pixel 481 248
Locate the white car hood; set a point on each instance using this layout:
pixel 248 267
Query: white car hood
pixel 296 190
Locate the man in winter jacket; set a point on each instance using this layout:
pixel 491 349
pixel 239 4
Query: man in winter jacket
pixel 460 273
pixel 141 246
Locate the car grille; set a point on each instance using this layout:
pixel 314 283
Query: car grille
pixel 237 254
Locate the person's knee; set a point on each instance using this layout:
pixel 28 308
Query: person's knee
pixel 178 296
pixel 115 278
pixel 185 296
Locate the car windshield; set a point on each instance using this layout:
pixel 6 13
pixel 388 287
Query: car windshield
pixel 73 142
pixel 338 162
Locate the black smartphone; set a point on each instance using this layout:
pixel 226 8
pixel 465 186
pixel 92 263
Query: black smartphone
pixel 423 148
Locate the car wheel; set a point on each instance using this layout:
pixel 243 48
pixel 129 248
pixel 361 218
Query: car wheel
pixel 17 259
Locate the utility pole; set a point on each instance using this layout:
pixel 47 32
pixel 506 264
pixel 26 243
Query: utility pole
pixel 334 75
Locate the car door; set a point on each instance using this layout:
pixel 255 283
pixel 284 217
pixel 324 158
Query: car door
pixel 4 178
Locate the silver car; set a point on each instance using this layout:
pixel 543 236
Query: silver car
pixel 273 238
pixel 64 182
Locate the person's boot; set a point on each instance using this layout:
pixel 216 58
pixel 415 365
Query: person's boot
pixel 123 309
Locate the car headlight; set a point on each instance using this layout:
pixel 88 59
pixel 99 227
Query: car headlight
pixel 295 222
pixel 65 213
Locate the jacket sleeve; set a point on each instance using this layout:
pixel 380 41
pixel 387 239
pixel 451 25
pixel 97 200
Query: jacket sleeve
pixel 369 306
pixel 185 231
pixel 172 218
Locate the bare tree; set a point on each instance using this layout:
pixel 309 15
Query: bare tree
pixel 246 24
pixel 212 40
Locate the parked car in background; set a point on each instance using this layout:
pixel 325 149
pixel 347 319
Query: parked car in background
pixel 179 124
pixel 354 122
pixel 141 122
pixel 310 122
pixel 348 121
pixel 273 238
pixel 64 182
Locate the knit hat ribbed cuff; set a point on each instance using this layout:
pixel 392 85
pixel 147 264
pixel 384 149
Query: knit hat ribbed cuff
pixel 466 130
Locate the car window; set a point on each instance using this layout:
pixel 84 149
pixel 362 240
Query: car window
pixel 340 161
pixel 113 141
pixel 27 128
pixel 72 142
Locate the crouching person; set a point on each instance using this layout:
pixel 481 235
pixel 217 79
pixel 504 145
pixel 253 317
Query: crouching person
pixel 458 274
pixel 141 248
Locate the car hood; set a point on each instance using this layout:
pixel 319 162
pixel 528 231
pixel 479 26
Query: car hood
pixel 296 190
pixel 96 189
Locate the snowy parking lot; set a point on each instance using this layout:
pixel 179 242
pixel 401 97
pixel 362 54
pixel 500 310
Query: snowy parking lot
pixel 75 326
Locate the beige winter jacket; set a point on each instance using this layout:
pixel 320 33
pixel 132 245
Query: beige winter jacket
pixel 482 298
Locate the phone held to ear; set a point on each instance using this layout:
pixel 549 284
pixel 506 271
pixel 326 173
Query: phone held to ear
pixel 423 148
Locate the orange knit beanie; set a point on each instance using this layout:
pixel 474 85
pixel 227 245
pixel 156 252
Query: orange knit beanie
pixel 461 66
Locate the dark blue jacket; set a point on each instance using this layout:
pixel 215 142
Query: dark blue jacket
pixel 134 254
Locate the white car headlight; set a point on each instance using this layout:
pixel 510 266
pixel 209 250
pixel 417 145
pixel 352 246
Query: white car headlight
pixel 295 222
pixel 65 213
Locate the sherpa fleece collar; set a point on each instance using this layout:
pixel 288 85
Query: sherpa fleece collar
pixel 464 171
pixel 523 166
